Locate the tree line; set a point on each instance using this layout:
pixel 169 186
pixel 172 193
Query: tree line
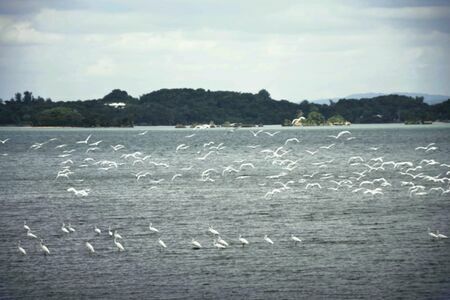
pixel 189 106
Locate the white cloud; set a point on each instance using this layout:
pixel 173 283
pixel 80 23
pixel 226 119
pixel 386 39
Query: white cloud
pixel 294 49
pixel 102 67
pixel 22 33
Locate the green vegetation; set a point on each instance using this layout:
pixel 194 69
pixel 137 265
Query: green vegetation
pixel 188 106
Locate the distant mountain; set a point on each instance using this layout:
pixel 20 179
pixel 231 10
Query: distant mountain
pixel 190 106
pixel 427 98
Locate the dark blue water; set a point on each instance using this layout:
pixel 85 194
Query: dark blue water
pixel 354 244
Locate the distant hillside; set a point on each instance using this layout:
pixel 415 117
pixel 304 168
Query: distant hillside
pixel 427 98
pixel 188 106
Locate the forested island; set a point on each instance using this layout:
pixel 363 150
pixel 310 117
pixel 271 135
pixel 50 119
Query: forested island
pixel 190 106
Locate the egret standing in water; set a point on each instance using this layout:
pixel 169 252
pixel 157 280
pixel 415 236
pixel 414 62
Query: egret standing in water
pixel 116 235
pixel 218 245
pixel 118 245
pixel 162 244
pixel 243 241
pixel 25 226
pixel 97 230
pixel 222 241
pixel 152 229
pixel 64 229
pixel 30 234
pixel 267 239
pixel 295 239
pixel 196 245
pixel 21 249
pixel 90 247
pixel 44 248
pixel 212 230
pixel 71 229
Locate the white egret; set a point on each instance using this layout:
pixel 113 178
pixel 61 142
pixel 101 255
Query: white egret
pixel 30 234
pixel 71 229
pixel 196 245
pixel 21 249
pixel 152 229
pixel 79 193
pixel 270 133
pixel 118 245
pixel 116 235
pixel 295 239
pixel 213 231
pixel 161 243
pixel 109 231
pixel 243 241
pixel 44 248
pixel 218 245
pixel 222 241
pixel 64 229
pixel 97 230
pixel 85 141
pixel 340 134
pixel 25 226
pixel 433 235
pixel 267 239
pixel 440 235
pixel 291 140
pixel 90 247
pixel 256 133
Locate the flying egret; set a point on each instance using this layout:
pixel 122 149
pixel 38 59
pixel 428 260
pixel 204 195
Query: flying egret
pixel 340 134
pixel 440 235
pixel 267 239
pixel 433 235
pixel 84 141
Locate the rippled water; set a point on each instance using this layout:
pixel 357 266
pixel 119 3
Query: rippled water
pixel 355 245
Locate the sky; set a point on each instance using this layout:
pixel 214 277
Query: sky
pixel 83 49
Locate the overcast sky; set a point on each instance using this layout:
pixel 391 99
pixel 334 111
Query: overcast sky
pixel 82 49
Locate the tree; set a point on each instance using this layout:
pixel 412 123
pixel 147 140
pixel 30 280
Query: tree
pixel 264 94
pixel 59 116
pixel 315 118
pixel 27 97
pixel 18 97
pixel 336 120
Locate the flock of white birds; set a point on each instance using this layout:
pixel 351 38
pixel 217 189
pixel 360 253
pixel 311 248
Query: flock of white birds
pixel 415 175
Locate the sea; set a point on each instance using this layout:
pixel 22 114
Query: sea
pixel 366 201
